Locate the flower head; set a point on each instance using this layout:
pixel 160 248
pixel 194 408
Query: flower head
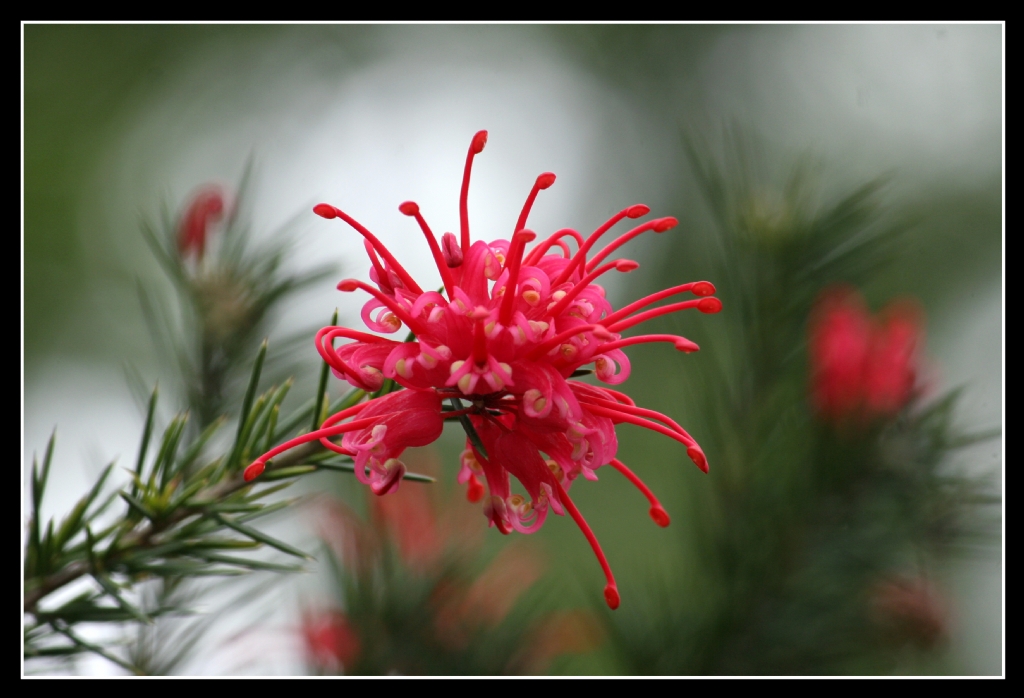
pixel 330 642
pixel 206 207
pixel 863 367
pixel 509 329
pixel 911 610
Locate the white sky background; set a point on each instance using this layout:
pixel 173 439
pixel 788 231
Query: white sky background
pixel 396 127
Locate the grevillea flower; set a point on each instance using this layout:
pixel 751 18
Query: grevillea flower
pixel 863 367
pixel 911 610
pixel 331 643
pixel 507 331
pixel 206 207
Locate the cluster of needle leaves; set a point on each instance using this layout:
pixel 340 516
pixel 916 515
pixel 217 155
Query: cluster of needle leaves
pixel 185 511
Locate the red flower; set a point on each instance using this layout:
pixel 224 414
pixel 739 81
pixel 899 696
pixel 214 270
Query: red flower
pixel 330 641
pixel 511 329
pixel 861 366
pixel 911 610
pixel 206 207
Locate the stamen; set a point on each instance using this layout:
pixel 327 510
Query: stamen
pixel 411 208
pixel 643 412
pixel 658 225
pixel 479 343
pixel 541 349
pixel 256 468
pixel 513 264
pixel 682 343
pixel 382 274
pixel 617 415
pixel 611 591
pixel 540 250
pixel 474 490
pixel 634 211
pixel 345 332
pixel 322 210
pixel 623 265
pixel 698 288
pixel 350 285
pixel 621 397
pixel 657 511
pixel 331 357
pixel 475 146
pixel 705 305
pixel 544 181
pixel 452 251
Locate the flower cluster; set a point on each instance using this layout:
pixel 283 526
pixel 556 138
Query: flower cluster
pixel 506 333
pixel 206 207
pixel 863 367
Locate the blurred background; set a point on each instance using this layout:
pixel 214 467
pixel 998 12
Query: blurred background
pixel 796 158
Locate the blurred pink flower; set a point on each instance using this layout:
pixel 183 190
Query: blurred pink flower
pixel 206 207
pixel 863 367
pixel 511 330
pixel 330 642
pixel 911 610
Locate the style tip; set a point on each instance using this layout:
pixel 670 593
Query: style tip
pixel 611 596
pixel 325 211
pixel 254 471
pixel 545 180
pixel 660 516
pixel 479 141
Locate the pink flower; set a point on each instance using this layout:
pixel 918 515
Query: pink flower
pixel 911 610
pixel 330 641
pixel 206 207
pixel 511 328
pixel 863 367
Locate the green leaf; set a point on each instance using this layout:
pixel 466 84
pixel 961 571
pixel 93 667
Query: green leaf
pixel 268 491
pixel 293 422
pixel 35 553
pixel 139 506
pixel 977 437
pixel 73 522
pixel 243 441
pixel 147 432
pixel 143 553
pixel 183 495
pixel 262 537
pixel 350 468
pixel 348 400
pixel 293 471
pixel 468 427
pixel 180 569
pixel 196 448
pixel 271 428
pixel 250 391
pixel 166 463
pixel 115 593
pixel 269 414
pixel 79 642
pixel 266 510
pixel 223 544
pixel 248 563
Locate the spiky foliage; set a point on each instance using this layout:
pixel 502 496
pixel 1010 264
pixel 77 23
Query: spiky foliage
pixel 188 511
pixel 187 515
pixel 228 293
pixel 810 549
